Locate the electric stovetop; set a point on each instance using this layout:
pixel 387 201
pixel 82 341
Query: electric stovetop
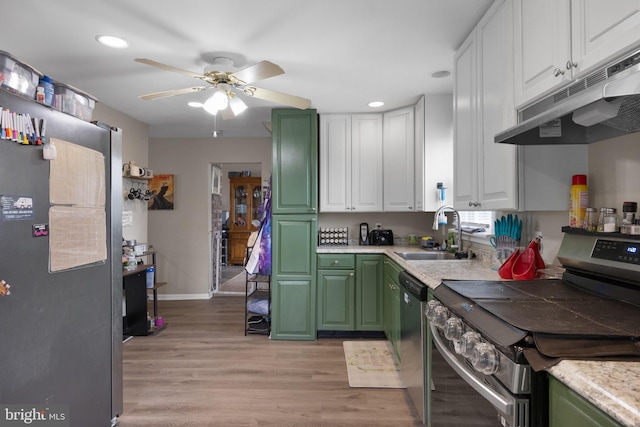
pixel 552 306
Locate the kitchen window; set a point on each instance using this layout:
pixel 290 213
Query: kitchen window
pixel 476 220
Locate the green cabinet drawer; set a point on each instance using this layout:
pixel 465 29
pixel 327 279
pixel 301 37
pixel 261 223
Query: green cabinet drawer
pixel 336 261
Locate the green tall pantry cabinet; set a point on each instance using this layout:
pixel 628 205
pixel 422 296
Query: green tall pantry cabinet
pixel 294 223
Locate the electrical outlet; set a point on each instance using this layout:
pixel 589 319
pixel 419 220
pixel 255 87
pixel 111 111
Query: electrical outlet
pixel 378 225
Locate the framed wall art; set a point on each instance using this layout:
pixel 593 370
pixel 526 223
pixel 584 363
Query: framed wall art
pixel 161 187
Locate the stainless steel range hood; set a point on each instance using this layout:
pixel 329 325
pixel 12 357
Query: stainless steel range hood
pixel 602 105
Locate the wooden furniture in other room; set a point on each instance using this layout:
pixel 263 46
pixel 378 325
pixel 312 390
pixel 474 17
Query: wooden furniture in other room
pixel 246 197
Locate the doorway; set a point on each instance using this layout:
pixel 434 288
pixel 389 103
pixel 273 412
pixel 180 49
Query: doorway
pixel 226 279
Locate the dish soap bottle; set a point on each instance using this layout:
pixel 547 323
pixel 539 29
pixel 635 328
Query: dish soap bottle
pixel 578 202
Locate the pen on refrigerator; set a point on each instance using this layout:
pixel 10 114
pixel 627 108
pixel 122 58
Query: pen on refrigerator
pixel 8 130
pixel 29 129
pixel 25 129
pixel 3 133
pixel 14 116
pixel 16 127
pixel 32 132
pixel 36 127
pixel 43 128
pixel 21 129
pixel 9 126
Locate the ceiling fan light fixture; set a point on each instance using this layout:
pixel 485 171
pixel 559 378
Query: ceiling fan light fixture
pixel 218 101
pixel 237 106
pixel 195 104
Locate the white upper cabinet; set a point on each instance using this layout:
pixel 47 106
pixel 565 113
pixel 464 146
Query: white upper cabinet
pixel 398 160
pixel 557 41
pixel 433 150
pixel 366 169
pixel 485 172
pixel 335 163
pixel 491 176
pixel 465 138
pixel 351 163
pixel 601 30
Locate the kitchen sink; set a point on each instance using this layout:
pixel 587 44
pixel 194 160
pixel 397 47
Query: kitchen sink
pixel 425 256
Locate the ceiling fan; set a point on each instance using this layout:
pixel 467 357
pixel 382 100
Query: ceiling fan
pixel 226 83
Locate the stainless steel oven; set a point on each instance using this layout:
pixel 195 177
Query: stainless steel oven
pixel 489 341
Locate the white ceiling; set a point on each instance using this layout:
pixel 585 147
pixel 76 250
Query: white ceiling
pixel 340 54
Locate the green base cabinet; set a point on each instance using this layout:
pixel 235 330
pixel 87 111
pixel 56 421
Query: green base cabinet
pixel 350 292
pixel 391 295
pixel 369 297
pixel 336 292
pixel 293 279
pixel 568 408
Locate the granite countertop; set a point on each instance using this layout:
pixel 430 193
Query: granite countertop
pixel 613 387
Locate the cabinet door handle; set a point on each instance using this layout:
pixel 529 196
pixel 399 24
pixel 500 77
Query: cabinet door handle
pixel 571 64
pixel 557 72
pixel 336 262
pixel 351 274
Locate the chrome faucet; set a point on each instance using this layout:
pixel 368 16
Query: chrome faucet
pixel 451 209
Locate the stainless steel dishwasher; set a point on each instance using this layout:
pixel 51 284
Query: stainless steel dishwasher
pixel 413 369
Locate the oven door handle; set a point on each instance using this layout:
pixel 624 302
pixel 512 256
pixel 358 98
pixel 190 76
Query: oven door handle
pixel 498 401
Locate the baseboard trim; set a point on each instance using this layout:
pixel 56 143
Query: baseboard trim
pixel 182 296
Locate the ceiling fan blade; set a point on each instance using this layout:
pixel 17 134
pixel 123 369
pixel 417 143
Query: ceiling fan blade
pixel 173 92
pixel 168 68
pixel 277 97
pixel 260 71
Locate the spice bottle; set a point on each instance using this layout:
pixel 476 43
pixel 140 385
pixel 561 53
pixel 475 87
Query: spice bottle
pixel 578 201
pixel 591 220
pixel 603 213
pixel 610 221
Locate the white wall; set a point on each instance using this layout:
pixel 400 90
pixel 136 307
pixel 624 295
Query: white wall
pixel 613 178
pixel 135 146
pixel 181 235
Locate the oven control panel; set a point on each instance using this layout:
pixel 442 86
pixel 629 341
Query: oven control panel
pixel 616 250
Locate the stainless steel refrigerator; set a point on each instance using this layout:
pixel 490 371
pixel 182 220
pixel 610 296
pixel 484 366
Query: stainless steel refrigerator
pixel 61 321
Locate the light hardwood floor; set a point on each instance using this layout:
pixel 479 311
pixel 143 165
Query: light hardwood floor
pixel 202 371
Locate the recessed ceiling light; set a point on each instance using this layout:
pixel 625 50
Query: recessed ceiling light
pixel 112 41
pixel 440 74
pixel 376 104
pixel 195 104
